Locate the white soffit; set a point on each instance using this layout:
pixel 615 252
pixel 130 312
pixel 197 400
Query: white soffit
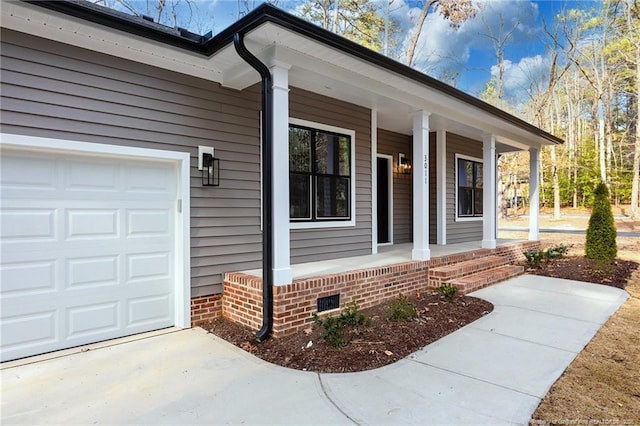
pixel 35 20
pixel 328 71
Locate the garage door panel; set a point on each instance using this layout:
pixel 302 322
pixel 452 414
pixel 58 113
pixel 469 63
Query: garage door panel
pixel 28 225
pixel 28 278
pixel 12 176
pixel 148 222
pixel 93 271
pixel 87 250
pixel 93 319
pixel 146 310
pixel 145 266
pixel 151 180
pixel 92 223
pixel 91 176
pixel 27 331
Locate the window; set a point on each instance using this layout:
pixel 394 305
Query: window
pixel 320 183
pixel 469 187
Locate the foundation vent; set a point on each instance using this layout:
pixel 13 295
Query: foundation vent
pixel 328 303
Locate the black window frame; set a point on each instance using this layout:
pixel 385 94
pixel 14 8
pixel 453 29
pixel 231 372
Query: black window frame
pixel 476 190
pixel 313 174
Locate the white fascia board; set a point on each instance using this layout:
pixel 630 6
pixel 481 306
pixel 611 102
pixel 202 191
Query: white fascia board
pixel 51 25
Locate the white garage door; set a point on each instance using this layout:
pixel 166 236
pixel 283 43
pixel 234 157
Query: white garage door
pixel 87 249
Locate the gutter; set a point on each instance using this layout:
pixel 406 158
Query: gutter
pixel 267 199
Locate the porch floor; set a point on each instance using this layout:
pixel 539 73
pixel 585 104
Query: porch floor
pixel 387 255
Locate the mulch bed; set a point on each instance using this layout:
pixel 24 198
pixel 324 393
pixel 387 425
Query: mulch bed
pixel 580 268
pixel 384 341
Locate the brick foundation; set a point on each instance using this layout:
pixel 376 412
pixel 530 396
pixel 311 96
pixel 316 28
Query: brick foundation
pixel 205 308
pixel 294 304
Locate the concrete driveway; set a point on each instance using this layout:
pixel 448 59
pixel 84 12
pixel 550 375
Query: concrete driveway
pixel 493 371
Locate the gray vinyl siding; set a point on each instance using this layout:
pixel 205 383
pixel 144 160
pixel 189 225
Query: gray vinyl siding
pixel 308 245
pixel 59 91
pixel 391 143
pixel 459 232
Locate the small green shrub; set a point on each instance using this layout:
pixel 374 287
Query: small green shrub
pixel 334 326
pixel 601 233
pixel 448 291
pixel 534 258
pixel 556 252
pixel 351 316
pixel 401 309
pixel 332 333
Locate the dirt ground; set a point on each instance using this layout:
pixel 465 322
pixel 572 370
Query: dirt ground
pixel 602 385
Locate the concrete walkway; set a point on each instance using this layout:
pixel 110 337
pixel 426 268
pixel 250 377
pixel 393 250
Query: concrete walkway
pixel 493 371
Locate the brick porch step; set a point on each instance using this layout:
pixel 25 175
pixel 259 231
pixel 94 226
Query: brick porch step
pixel 479 280
pixel 446 273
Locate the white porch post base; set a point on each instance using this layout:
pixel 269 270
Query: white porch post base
pixel 489 244
pixel 282 276
pixel 420 254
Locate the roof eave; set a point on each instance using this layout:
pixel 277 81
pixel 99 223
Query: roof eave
pixel 268 13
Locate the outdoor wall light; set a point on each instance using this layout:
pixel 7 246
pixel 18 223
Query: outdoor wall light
pixel 404 164
pixel 209 165
pixel 210 170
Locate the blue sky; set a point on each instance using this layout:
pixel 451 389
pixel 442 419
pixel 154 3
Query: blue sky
pixel 467 51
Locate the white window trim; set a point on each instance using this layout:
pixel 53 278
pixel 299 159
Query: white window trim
pixel 455 171
pixel 331 223
pixel 182 243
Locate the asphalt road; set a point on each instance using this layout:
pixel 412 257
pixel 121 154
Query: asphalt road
pixel 567 231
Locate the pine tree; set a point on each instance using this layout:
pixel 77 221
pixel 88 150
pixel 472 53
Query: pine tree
pixel 601 233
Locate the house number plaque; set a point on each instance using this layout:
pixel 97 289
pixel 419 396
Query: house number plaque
pixel 426 169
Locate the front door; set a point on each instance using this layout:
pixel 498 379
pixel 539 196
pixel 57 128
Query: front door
pixel 384 170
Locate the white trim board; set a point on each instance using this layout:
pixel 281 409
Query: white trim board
pixel 182 295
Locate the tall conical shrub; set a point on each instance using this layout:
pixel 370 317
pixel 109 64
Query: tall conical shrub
pixel 601 233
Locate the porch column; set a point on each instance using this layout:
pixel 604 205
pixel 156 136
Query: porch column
pixel 534 194
pixel 280 187
pixel 374 177
pixel 421 186
pixel 489 202
pixel 441 186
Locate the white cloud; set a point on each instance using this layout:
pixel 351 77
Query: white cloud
pixel 442 47
pixel 525 78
